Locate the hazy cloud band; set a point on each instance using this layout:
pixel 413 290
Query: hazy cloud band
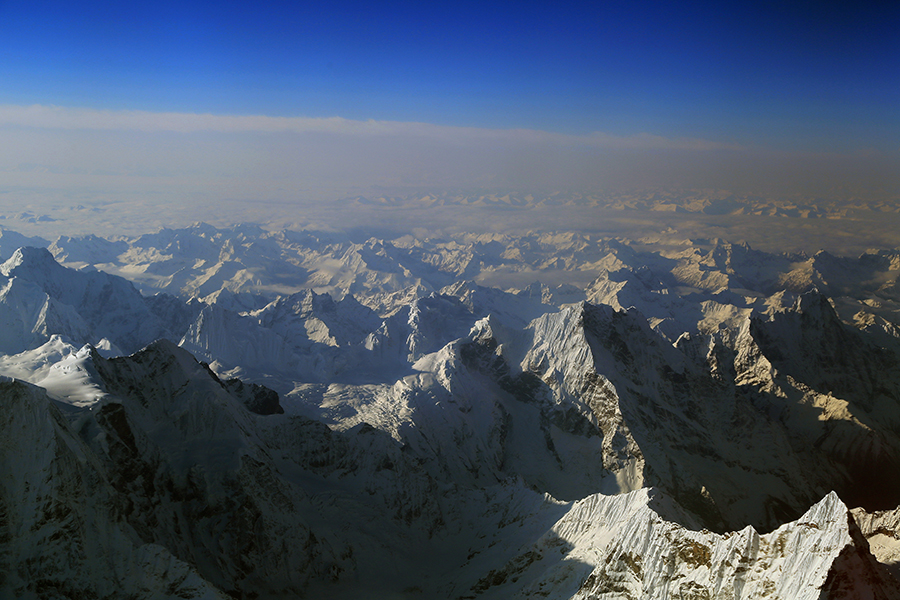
pixel 55 117
pixel 49 152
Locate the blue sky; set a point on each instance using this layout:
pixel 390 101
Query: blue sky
pixel 811 75
pixel 781 80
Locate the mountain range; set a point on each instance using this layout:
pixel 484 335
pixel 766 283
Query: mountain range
pixel 213 413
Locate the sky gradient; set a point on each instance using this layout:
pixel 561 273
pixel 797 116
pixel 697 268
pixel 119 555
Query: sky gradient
pixel 191 95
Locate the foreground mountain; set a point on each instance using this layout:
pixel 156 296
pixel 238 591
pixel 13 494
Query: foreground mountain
pixel 170 485
pixel 666 423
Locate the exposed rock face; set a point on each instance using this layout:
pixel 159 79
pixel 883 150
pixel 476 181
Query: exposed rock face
pixel 258 399
pixel 882 532
pixel 720 429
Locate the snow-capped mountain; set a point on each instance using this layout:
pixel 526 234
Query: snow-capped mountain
pixel 40 298
pixel 483 417
pixel 253 266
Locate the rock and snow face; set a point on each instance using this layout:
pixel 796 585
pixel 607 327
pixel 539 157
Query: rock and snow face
pixel 60 536
pixel 438 437
pixel 882 532
pixel 687 419
pixel 625 547
pixel 851 385
pixel 170 483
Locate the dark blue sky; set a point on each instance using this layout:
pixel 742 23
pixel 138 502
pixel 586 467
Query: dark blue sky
pixel 811 76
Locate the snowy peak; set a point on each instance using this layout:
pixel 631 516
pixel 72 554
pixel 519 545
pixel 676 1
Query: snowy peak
pixel 172 370
pixel 810 343
pixel 87 249
pixel 84 306
pixel 162 357
pixel 622 547
pixel 32 262
pixel 323 320
pixel 10 241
